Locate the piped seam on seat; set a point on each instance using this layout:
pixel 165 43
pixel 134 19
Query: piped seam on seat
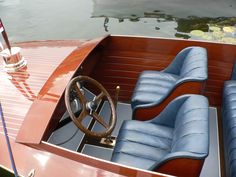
pixel 163 79
pixel 187 122
pixel 157 84
pixel 157 88
pixel 231 161
pixel 229 142
pixel 184 74
pixel 184 136
pixel 136 155
pixel 185 112
pixel 157 147
pixel 147 133
pixel 229 95
pixel 189 134
pixel 229 129
pixel 231 102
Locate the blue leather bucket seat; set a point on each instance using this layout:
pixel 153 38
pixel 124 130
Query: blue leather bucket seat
pixel 229 124
pixel 175 142
pixel 153 87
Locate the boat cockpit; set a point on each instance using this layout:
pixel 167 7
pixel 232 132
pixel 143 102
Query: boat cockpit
pixel 141 134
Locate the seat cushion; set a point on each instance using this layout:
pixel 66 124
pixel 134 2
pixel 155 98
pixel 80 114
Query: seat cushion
pixel 152 87
pixel 142 144
pixel 229 126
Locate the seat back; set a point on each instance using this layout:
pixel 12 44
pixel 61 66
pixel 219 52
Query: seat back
pixel 190 62
pixel 195 63
pixel 190 143
pixel 229 124
pixel 191 124
pixel 155 89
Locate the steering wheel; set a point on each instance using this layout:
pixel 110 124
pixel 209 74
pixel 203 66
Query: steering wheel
pixel 90 107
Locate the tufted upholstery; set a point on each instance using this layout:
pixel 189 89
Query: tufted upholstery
pixel 229 126
pixel 180 131
pixel 154 86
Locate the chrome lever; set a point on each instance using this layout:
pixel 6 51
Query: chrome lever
pixel 116 95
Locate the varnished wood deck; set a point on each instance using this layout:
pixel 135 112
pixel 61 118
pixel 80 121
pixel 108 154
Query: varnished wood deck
pixel 19 89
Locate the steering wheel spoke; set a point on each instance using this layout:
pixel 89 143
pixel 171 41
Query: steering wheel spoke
pixel 100 120
pixel 80 94
pixel 82 115
pixel 98 98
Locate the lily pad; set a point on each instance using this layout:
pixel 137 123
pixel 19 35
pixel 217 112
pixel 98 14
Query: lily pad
pixel 207 37
pixel 229 29
pixel 214 28
pixel 229 40
pixel 198 33
pixel 218 34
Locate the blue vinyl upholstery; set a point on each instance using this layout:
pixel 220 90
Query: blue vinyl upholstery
pixel 153 87
pixel 181 130
pixel 229 127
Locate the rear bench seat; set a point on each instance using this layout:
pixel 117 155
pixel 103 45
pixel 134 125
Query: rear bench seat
pixel 229 124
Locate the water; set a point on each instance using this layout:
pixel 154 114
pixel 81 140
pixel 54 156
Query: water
pixel 27 20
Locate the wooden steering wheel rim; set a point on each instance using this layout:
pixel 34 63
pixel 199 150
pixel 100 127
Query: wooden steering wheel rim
pixel 78 120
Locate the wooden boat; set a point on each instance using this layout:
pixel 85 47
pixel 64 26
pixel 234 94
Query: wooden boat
pixel 33 102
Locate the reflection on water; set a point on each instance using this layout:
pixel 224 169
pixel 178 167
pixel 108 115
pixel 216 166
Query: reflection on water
pixel 205 23
pixel 74 19
pixel 177 8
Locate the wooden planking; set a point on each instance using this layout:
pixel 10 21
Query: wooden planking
pixel 19 89
pixel 125 57
pixel 147 61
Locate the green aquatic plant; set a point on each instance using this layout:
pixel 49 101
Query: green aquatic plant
pixel 205 24
pixel 189 24
pixel 223 21
pixel 183 36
